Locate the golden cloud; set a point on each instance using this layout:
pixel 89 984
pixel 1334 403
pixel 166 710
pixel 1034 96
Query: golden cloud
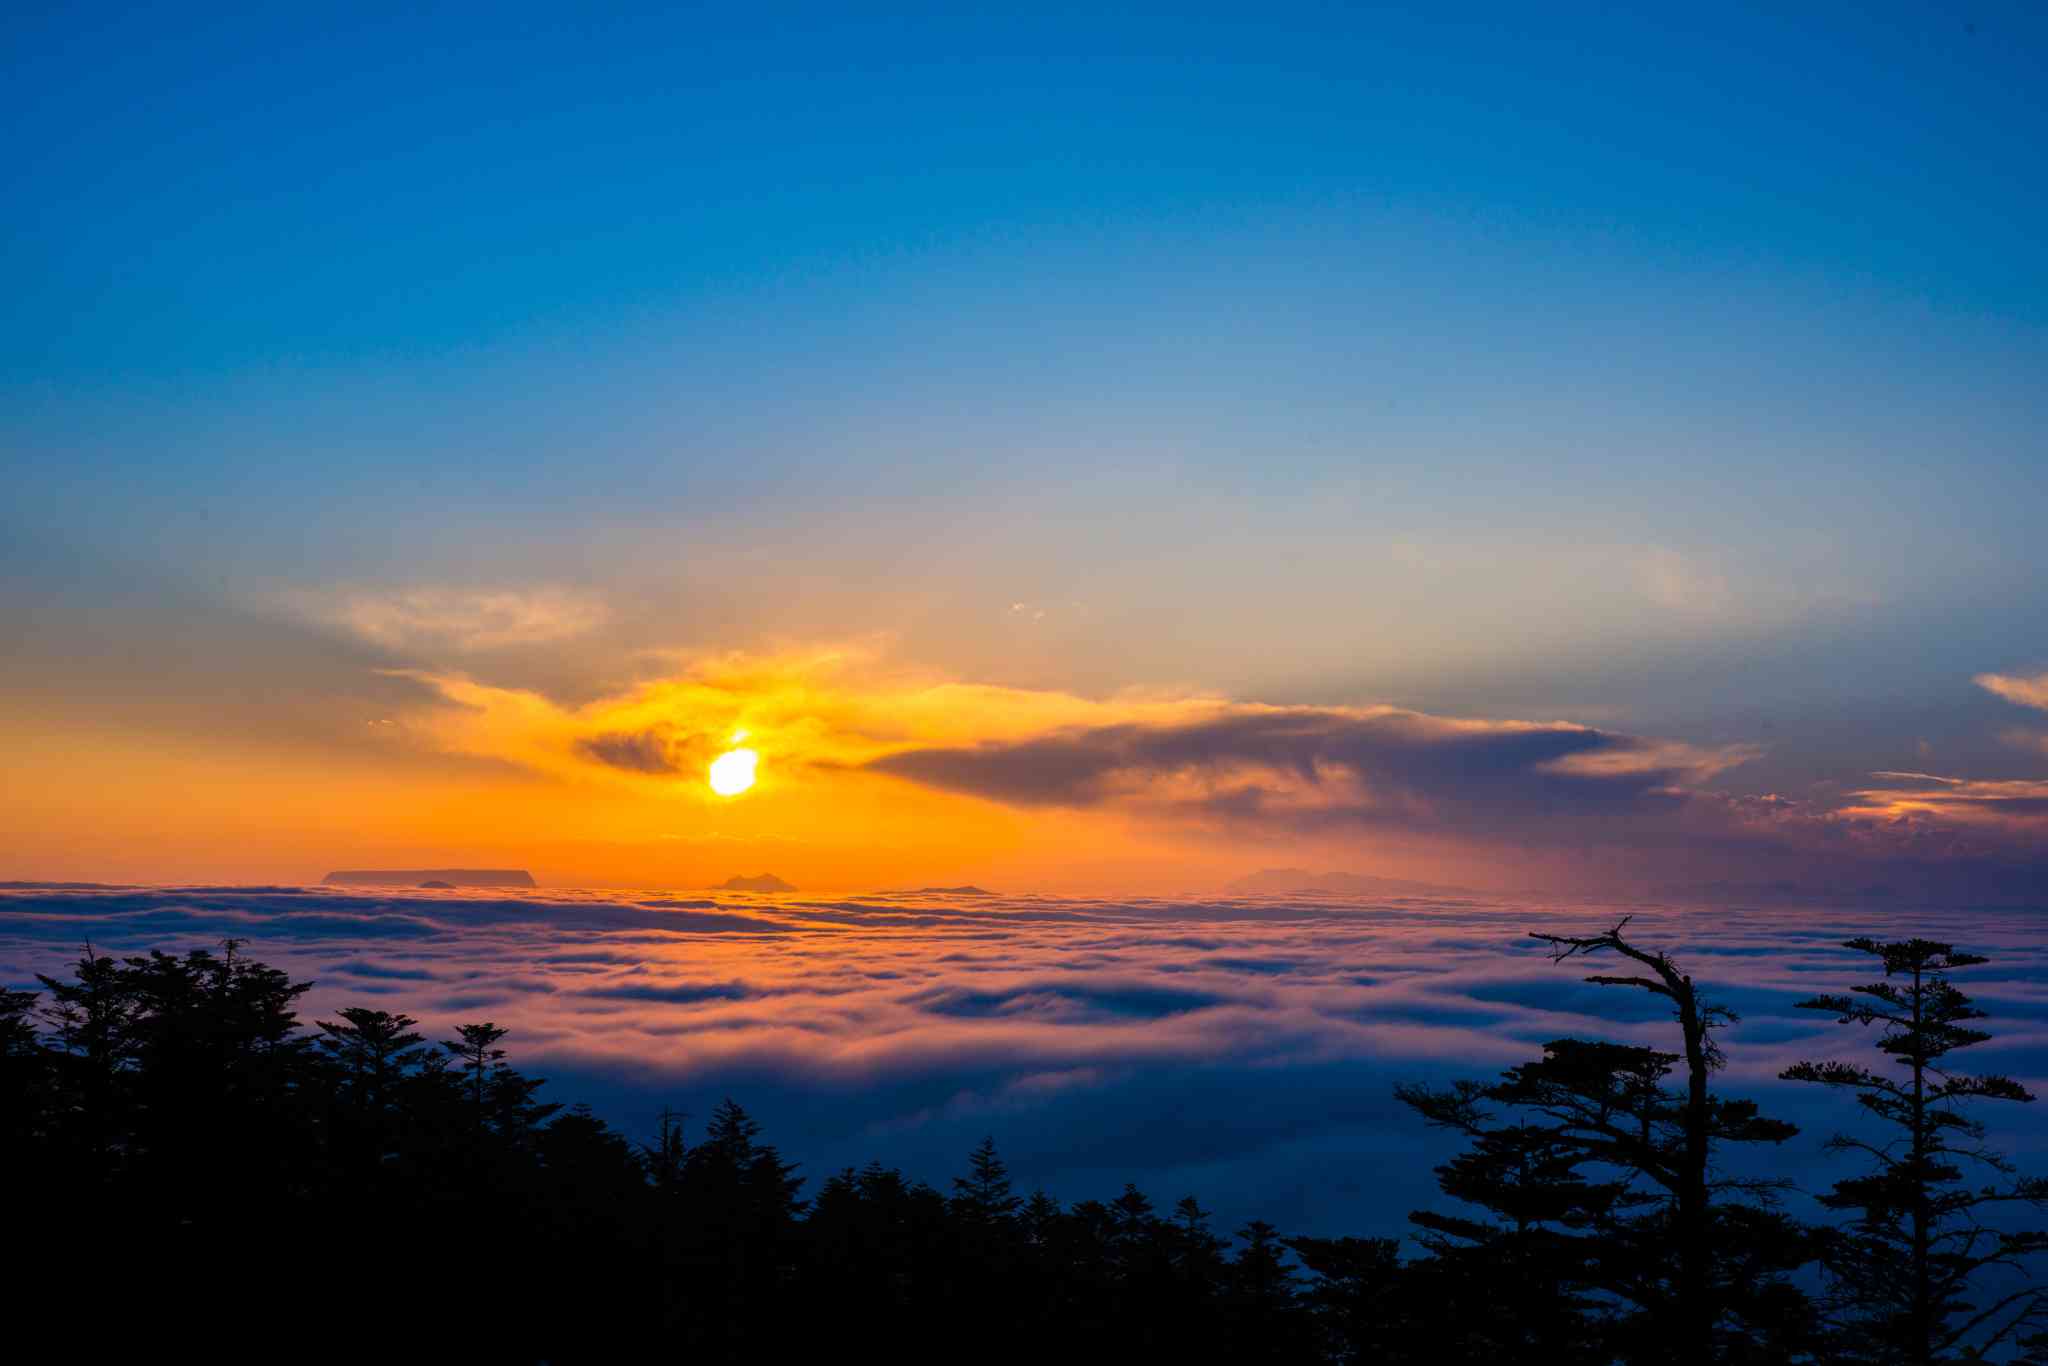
pixel 2027 692
pixel 2018 802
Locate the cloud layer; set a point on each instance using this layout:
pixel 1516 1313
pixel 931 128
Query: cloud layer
pixel 1244 1048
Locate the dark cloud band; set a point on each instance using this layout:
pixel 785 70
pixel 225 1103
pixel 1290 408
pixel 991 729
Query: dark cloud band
pixel 644 751
pixel 1364 767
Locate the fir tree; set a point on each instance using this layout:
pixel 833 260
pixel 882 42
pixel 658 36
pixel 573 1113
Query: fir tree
pixel 666 1154
pixel 24 1080
pixel 983 1196
pixel 479 1059
pixel 1361 1302
pixel 92 1019
pixel 372 1050
pixel 1920 1240
pixel 1197 1253
pixel 1534 1280
pixel 1041 1215
pixel 1260 1298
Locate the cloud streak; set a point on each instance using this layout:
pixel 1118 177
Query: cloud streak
pixel 2016 803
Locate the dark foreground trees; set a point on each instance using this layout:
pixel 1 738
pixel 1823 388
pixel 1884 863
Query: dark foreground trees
pixel 188 1172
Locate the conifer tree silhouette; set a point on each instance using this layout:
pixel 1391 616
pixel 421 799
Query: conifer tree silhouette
pixel 1197 1253
pixel 372 1049
pixel 1606 1195
pixel 1364 1304
pixel 983 1196
pixel 479 1059
pixel 24 1080
pixel 1040 1214
pixel 734 1231
pixel 1260 1298
pixel 665 1155
pixel 1920 1241
pixel 1681 1164
pixel 92 1019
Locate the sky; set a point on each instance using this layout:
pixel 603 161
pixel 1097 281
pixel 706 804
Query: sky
pixel 1103 450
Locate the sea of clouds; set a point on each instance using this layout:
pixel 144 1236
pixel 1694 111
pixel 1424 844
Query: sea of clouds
pixel 1243 1050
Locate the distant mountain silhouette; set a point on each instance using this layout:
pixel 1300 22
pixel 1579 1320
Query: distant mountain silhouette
pixel 1289 881
pixel 766 882
pixel 415 877
pixel 969 890
pixel 435 884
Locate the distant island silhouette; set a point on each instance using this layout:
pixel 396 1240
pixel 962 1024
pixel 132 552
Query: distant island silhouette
pixel 766 882
pixel 1291 881
pixel 430 877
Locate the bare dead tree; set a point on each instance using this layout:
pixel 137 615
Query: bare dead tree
pixel 1701 1121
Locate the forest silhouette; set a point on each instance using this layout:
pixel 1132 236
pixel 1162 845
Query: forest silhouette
pixel 193 1172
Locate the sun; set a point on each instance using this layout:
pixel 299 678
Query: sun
pixel 733 772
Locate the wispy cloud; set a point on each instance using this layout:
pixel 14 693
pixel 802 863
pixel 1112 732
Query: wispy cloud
pixel 2032 741
pixel 1684 583
pixel 1702 589
pixel 2023 802
pixel 453 618
pixel 2027 691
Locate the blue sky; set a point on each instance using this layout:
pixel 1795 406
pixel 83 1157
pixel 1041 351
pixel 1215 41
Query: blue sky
pixel 1675 370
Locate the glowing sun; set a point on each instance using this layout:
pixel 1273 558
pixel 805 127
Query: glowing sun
pixel 733 772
